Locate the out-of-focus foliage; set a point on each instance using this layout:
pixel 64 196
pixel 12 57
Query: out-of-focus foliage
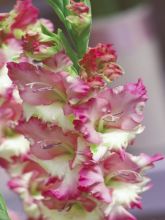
pixel 3 210
pixel 107 7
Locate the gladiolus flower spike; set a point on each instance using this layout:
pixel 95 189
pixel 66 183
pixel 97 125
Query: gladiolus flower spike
pixel 64 127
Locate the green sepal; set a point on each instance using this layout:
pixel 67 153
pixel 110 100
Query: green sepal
pixel 46 31
pixel 53 37
pixel 93 148
pixel 82 41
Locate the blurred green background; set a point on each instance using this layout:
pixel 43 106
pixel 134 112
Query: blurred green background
pixel 108 7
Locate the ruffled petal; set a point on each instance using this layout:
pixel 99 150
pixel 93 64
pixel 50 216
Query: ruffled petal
pixel 67 189
pixel 59 62
pixel 36 85
pixel 121 108
pixel 39 86
pixel 25 14
pixel 122 170
pixel 47 141
pixel 115 140
pixel 92 181
pixel 14 147
pixel 145 161
pixel 126 105
pixel 118 213
pixel 53 113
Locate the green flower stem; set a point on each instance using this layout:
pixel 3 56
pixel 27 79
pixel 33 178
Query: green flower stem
pixel 77 44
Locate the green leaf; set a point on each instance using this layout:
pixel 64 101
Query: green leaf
pixel 3 210
pixel 58 7
pixel 59 3
pixel 65 2
pixel 70 52
pixel 77 44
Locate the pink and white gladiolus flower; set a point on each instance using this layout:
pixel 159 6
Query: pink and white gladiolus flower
pixel 64 128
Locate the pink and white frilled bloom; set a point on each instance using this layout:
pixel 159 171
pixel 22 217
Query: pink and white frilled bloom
pixel 12 144
pixel 88 165
pixel 112 119
pixel 22 15
pixel 26 14
pixel 41 86
pixel 117 184
pixel 27 183
pixel 47 141
pixel 14 26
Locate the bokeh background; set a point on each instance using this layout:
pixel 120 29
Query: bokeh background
pixel 136 28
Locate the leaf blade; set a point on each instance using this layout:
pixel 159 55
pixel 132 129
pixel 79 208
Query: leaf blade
pixel 3 210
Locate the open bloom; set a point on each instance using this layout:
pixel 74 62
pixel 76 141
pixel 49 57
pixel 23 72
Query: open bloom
pixel 23 14
pixel 116 183
pixel 113 118
pixel 40 86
